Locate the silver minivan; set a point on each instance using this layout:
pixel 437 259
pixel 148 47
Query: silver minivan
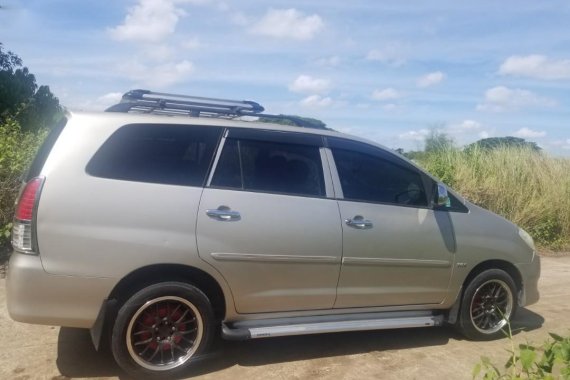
pixel 165 222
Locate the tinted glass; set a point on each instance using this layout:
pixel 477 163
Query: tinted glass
pixel 167 154
pixel 270 167
pixel 365 177
pixel 228 170
pixel 42 154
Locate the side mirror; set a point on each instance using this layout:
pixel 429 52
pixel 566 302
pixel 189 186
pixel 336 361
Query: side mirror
pixel 442 199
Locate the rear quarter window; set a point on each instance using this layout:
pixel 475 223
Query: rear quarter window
pixel 157 153
pixel 44 151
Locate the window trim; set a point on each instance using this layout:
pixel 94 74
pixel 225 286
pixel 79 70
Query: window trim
pixel 269 135
pixel 335 179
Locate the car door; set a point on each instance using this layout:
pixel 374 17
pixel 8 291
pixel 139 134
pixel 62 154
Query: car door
pixel 265 222
pixel 396 249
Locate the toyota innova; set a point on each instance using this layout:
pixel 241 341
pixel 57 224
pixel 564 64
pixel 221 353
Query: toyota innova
pixel 165 222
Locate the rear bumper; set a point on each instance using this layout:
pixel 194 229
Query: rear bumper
pixel 530 275
pixel 34 296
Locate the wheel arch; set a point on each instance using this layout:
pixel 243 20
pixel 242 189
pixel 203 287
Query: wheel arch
pixel 506 266
pixel 156 273
pixel 149 275
pixel 509 268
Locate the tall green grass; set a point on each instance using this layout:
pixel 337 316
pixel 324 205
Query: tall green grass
pixel 527 187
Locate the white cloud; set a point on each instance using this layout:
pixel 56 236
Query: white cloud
pixel 466 126
pixel 386 94
pixel 93 103
pixel 393 54
pixel 529 133
pixel 316 101
pixel 109 99
pixel 309 85
pixel 465 131
pixel 328 61
pixel 191 43
pixel 148 21
pixel 158 75
pixel 462 132
pixel 418 135
pixel 288 23
pixel 563 143
pixel 431 79
pixel 536 66
pixel 158 53
pixel 502 98
pixel 235 16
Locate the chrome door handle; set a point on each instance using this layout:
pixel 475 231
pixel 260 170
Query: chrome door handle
pixel 359 222
pixel 224 214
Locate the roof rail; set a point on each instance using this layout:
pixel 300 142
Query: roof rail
pixel 145 101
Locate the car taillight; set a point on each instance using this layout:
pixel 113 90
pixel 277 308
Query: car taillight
pixel 23 230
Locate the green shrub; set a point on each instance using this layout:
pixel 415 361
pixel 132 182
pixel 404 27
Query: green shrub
pixel 17 148
pixel 551 360
pixel 525 186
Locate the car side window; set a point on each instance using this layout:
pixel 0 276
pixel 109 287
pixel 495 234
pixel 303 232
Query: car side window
pixel 269 166
pixel 371 178
pixel 157 153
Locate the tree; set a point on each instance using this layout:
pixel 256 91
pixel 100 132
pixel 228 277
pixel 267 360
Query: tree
pixel 289 120
pixel 20 97
pixel 437 141
pixel 508 141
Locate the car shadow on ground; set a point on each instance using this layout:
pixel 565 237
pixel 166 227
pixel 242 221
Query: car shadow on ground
pixel 78 359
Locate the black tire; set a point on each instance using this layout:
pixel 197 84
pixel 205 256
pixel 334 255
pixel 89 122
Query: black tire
pixel 489 302
pixel 161 330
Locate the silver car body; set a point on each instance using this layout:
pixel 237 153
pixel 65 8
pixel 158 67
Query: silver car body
pixel 286 256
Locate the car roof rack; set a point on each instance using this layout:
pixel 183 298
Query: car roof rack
pixel 145 101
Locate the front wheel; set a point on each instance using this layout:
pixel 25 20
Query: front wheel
pixel 487 306
pixel 160 329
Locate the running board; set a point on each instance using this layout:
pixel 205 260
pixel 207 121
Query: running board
pixel 244 330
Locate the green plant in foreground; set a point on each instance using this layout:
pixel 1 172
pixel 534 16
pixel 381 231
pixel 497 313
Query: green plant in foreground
pixel 551 360
pixel 17 148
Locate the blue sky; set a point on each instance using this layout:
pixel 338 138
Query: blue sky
pixel 385 70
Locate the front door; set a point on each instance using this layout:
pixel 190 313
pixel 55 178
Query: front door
pixel 396 250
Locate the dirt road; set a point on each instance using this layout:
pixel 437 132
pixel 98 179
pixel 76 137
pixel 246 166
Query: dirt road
pixel 43 352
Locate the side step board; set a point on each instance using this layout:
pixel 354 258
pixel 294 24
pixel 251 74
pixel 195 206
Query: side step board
pixel 253 329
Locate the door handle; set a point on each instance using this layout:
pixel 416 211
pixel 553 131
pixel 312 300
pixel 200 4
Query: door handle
pixel 359 222
pixel 224 214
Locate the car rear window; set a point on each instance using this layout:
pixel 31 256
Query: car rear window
pixel 157 153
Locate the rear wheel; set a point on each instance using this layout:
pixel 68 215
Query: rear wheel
pixel 487 306
pixel 161 329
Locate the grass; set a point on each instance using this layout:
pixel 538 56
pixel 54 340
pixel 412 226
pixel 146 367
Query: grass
pixel 527 187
